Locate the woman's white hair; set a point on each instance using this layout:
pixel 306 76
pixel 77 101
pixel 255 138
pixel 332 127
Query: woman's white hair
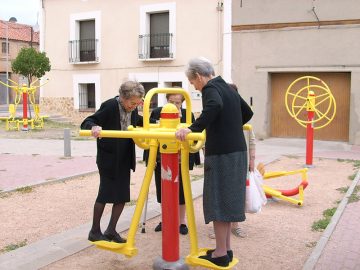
pixel 131 89
pixel 199 65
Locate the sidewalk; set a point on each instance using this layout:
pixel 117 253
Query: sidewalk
pixel 31 162
pixel 339 245
pixel 25 162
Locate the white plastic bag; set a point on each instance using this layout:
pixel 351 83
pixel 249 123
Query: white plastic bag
pixel 255 195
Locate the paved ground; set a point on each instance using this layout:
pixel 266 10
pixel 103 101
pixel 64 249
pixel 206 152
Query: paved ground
pixel 27 162
pixel 25 170
pixel 343 248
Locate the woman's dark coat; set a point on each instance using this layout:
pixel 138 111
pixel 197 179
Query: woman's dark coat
pixel 113 155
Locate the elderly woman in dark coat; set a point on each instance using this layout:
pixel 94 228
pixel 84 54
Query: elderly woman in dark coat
pixel 115 157
pixel 223 116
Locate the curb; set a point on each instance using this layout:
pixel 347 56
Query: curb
pixel 53 181
pixel 325 237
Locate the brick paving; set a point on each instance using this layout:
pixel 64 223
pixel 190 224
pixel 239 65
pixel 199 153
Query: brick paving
pixel 24 170
pixel 343 248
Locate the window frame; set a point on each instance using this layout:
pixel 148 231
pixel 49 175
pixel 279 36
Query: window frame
pixel 145 11
pixel 86 79
pixel 75 20
pixel 85 107
pixel 2 47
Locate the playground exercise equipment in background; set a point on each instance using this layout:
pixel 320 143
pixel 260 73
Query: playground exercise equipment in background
pixel 282 194
pixel 285 195
pixel 151 136
pixel 316 98
pixel 26 93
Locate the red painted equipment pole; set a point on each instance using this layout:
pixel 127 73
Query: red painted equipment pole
pixel 25 120
pixel 169 118
pixel 310 129
pixel 170 206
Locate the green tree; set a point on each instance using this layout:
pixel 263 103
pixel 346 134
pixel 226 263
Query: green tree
pixel 31 63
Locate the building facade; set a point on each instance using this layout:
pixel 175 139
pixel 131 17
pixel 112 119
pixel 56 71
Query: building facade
pixel 13 37
pixel 275 42
pixel 94 46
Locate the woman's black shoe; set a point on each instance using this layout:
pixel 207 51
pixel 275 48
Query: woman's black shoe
pixel 219 261
pixel 229 253
pixel 114 237
pixel 93 237
pixel 158 228
pixel 183 229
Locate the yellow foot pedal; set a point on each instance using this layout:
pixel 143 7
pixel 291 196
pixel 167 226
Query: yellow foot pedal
pixel 108 245
pixel 196 261
pixel 121 248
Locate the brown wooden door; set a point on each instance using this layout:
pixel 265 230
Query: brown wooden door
pixel 283 125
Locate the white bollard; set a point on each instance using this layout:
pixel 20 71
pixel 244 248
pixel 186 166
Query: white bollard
pixel 67 142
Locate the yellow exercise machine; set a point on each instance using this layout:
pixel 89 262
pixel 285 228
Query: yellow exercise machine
pixel 150 137
pixel 285 195
pixel 313 95
pixel 27 93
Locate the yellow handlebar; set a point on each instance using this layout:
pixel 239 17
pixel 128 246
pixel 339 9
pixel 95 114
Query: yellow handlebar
pixel 24 87
pixel 143 134
pixel 149 95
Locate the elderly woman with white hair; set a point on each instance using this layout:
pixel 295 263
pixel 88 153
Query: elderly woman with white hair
pixel 115 157
pixel 223 116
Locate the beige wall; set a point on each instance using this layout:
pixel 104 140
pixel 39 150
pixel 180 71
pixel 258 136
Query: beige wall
pixel 196 33
pixel 280 11
pixel 258 53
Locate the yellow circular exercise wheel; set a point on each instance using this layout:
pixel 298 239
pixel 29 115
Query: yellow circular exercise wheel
pixel 310 93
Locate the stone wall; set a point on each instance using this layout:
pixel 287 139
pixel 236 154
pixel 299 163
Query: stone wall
pixel 63 106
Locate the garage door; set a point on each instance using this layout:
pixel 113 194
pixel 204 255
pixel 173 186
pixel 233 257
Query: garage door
pixel 283 125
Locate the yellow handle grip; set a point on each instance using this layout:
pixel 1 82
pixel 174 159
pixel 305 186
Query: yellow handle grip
pixel 143 134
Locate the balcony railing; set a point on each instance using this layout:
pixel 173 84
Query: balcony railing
pixel 83 50
pixel 156 46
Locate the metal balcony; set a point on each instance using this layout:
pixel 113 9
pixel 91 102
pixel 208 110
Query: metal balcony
pixel 83 50
pixel 156 46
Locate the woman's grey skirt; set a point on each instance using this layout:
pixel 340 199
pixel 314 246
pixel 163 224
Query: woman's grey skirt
pixel 224 187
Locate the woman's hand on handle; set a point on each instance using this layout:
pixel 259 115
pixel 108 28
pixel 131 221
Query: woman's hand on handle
pixel 95 131
pixel 181 134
